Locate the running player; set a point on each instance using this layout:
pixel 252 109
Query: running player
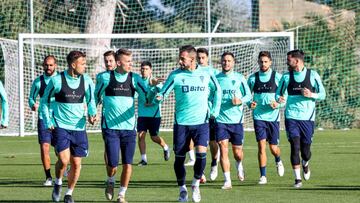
pixel 4 107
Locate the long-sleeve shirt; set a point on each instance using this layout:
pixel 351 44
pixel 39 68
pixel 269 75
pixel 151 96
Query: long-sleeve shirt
pixel 118 98
pixel 4 106
pixel 299 107
pixel 192 90
pixel 263 110
pixel 70 116
pixel 153 110
pixel 232 84
pixel 38 88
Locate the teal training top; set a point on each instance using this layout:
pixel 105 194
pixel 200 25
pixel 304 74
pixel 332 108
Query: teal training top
pixel 4 106
pixel 213 71
pixel 70 116
pixel 299 107
pixel 232 84
pixel 263 110
pixel 192 90
pixel 36 90
pixel 119 110
pixel 154 110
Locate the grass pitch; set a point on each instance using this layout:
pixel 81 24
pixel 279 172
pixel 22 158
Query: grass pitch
pixel 334 173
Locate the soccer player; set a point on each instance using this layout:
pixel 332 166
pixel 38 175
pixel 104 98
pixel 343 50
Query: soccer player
pixel 149 116
pixel 266 112
pixel 191 86
pixel 45 136
pixel 303 87
pixel 117 89
pixel 110 64
pixel 4 107
pixel 71 89
pixel 229 123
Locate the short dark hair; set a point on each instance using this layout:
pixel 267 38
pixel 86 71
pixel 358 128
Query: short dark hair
pixel 226 53
pixel 297 53
pixel 264 54
pixel 202 50
pixel 109 53
pixel 121 52
pixel 73 56
pixel 187 48
pixel 146 63
pixel 50 56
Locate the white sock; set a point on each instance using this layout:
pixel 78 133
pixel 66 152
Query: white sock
pixel 227 176
pixel 122 191
pixel 111 179
pixel 182 188
pixel 58 181
pixel 195 182
pixel 69 191
pixel 239 165
pixel 143 157
pixel 192 155
pixel 166 147
pixel 297 174
pixel 305 163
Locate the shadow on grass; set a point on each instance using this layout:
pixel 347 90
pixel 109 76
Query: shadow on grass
pixel 331 187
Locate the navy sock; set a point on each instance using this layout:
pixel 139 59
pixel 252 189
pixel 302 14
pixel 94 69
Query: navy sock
pixel 200 164
pixel 47 173
pixel 263 171
pixel 277 159
pixel 180 170
pixel 214 162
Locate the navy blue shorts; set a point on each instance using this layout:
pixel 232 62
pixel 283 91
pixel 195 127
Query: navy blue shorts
pixel 184 133
pixel 233 132
pixel 119 140
pixel 44 134
pixel 75 140
pixel 268 130
pixel 299 128
pixel 212 126
pixel 149 123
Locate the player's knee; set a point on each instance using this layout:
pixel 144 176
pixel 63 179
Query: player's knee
pixel 295 149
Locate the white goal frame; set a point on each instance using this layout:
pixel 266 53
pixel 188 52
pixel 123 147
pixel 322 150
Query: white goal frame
pixel 209 36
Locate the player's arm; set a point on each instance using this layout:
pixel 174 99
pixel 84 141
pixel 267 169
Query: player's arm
pixel 99 89
pixel 319 93
pixel 34 91
pixel 275 104
pixel 216 101
pixel 245 91
pixel 140 86
pixel 90 100
pixel 45 102
pixel 4 107
pixel 251 82
pixel 281 90
pixel 166 89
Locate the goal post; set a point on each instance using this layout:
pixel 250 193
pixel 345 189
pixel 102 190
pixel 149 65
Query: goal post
pixel 150 47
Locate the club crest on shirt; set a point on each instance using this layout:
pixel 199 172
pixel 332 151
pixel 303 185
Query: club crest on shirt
pixel 202 78
pixel 183 81
pixel 233 82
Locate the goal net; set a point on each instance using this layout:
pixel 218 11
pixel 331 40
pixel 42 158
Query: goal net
pixel 23 59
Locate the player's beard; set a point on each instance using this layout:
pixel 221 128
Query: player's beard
pixel 49 72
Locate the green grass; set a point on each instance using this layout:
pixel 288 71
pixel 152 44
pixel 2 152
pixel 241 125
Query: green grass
pixel 335 166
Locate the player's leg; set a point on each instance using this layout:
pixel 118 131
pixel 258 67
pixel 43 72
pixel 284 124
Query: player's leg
pixel 112 148
pixel 181 142
pixel 62 148
pixel 261 135
pixel 237 140
pixel 154 134
pixel 200 136
pixel 127 146
pixel 142 129
pixel 293 133
pixel 78 149
pixel 307 131
pixel 214 150
pixel 222 137
pixel 273 139
pixel 45 139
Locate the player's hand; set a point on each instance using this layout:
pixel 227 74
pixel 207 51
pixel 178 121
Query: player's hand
pixel 3 126
pixel 35 107
pixel 306 93
pixel 159 98
pixel 253 105
pixel 51 128
pixel 281 99
pixel 156 81
pixel 236 101
pixel 274 104
pixel 92 119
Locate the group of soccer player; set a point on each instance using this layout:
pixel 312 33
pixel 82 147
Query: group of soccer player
pixel 209 106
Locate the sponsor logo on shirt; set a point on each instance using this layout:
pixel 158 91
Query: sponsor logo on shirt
pixel 187 88
pixel 232 92
pixel 121 88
